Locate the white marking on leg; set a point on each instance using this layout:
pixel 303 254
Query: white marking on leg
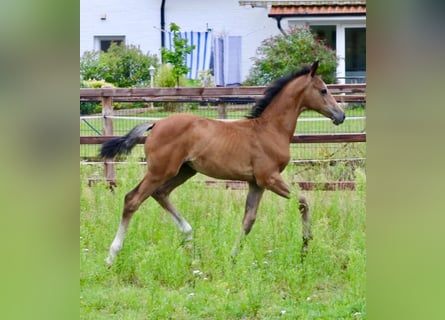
pixel 180 222
pixel 184 227
pixel 116 245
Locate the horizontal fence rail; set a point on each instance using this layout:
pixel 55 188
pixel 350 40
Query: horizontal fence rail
pixel 222 97
pixel 341 92
pixel 301 138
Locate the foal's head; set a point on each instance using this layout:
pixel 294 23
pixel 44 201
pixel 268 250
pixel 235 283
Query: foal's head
pixel 318 98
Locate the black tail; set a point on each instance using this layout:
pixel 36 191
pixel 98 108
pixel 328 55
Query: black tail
pixel 123 145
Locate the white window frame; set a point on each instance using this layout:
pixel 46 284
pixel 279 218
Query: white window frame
pixel 98 39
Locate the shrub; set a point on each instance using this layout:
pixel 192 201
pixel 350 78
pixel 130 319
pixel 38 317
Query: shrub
pixel 89 108
pixel 282 54
pixel 122 65
pixel 165 77
pixel 206 78
pixel 92 107
pixel 95 84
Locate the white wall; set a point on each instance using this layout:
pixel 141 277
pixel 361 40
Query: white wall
pixel 135 19
pixel 139 22
pixel 224 18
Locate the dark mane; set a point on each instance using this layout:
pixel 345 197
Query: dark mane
pixel 273 90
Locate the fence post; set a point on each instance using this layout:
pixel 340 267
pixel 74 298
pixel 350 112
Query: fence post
pixel 222 110
pixel 107 130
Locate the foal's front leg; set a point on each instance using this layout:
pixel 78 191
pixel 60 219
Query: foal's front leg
pixel 252 202
pixel 133 200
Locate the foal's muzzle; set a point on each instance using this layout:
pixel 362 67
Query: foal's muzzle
pixel 338 118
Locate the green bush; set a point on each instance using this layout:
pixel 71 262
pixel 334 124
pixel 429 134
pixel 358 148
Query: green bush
pixel 165 77
pixel 92 107
pixel 95 84
pixel 282 54
pixel 130 105
pixel 122 65
pixel 206 78
pixel 89 108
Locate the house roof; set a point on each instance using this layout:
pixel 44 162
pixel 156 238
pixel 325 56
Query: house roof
pixel 316 10
pixel 301 2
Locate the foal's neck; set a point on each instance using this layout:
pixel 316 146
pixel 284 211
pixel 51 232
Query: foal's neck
pixel 283 111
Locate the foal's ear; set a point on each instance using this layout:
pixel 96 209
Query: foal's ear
pixel 314 68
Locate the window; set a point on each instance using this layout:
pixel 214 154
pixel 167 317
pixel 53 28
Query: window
pixel 103 43
pixel 325 33
pixel 356 53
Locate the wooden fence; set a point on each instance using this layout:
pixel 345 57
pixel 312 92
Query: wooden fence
pixel 220 96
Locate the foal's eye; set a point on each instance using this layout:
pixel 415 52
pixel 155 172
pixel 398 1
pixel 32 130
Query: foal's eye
pixel 323 91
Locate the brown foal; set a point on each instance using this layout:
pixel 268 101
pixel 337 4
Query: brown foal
pixel 255 149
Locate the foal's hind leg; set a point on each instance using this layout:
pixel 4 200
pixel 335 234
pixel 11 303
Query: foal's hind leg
pixel 161 195
pixel 252 202
pixel 133 200
pixel 306 222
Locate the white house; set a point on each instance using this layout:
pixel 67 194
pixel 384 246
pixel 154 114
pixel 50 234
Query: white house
pixel 227 33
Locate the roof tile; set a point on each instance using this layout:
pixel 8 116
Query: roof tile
pixel 317 10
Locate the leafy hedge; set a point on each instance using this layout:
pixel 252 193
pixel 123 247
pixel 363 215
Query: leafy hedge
pixel 91 107
pixel 282 54
pixel 122 65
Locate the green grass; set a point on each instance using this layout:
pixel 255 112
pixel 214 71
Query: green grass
pixel 155 278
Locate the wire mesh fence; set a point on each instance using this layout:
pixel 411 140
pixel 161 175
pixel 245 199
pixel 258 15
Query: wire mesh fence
pixel 309 161
pixel 308 123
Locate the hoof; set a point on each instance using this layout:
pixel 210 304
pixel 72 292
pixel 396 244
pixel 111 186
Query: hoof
pixel 187 243
pixel 188 237
pixel 188 246
pixel 109 261
pixel 187 240
pixel 305 248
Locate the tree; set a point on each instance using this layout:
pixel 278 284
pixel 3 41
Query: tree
pixel 176 57
pixel 283 54
pixel 121 65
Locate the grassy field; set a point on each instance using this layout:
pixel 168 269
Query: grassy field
pixel 155 278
